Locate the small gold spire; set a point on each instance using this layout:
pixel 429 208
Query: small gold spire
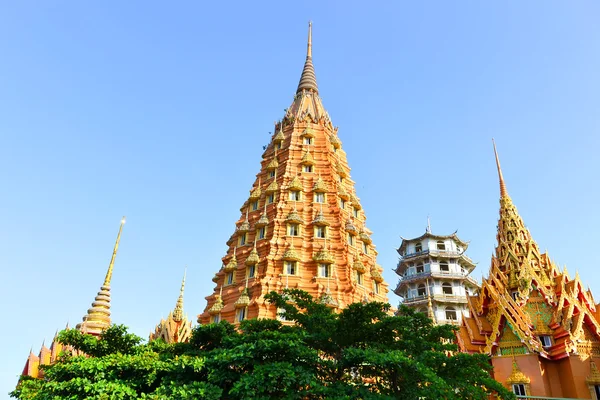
pixel 114 255
pixel 178 312
pixel 503 192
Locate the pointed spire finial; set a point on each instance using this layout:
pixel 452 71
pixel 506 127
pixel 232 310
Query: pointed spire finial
pixel 309 48
pixel 503 192
pixel 428 230
pixel 114 255
pixel 308 80
pixel 97 318
pixel 178 312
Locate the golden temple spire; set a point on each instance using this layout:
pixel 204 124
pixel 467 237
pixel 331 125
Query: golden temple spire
pixel 308 80
pixel 97 318
pixel 503 192
pixel 178 312
pixel 114 255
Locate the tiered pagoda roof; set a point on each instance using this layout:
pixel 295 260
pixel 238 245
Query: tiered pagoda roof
pixel 176 328
pixel 527 305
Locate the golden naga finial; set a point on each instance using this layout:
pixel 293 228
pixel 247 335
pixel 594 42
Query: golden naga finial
pixel 178 312
pixel 309 49
pixel 503 192
pixel 114 255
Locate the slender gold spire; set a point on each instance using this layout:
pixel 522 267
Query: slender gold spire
pixel 178 312
pixel 308 80
pixel 97 318
pixel 503 192
pixel 114 255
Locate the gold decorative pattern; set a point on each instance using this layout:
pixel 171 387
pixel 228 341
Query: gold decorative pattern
pixel 294 217
pixel 252 258
pixel 295 184
pixel 320 220
pixel 291 255
pixel 243 300
pixel 323 256
pixel 319 186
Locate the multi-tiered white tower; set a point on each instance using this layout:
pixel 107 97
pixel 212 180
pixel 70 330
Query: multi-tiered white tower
pixel 434 276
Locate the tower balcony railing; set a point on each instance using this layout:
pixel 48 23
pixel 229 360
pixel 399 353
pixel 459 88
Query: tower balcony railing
pixel 437 253
pixel 437 274
pixel 448 322
pixel 445 298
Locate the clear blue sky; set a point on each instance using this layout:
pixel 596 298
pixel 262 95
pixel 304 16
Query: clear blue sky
pixel 159 112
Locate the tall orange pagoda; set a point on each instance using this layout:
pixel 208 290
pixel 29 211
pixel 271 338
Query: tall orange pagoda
pixel 94 322
pixel 302 225
pixel 539 325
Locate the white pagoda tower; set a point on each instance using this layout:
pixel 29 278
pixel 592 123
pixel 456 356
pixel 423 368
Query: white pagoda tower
pixel 434 276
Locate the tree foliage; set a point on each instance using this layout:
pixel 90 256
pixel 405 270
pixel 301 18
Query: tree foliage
pixel 359 353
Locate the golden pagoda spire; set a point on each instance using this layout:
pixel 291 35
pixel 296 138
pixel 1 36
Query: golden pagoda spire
pixel 178 312
pixel 308 80
pixel 503 192
pixel 97 318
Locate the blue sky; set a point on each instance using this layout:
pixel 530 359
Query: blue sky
pixel 159 112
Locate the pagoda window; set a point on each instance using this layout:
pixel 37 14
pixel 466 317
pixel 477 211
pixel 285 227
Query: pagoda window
pixel 321 232
pixel 307 168
pixel 444 267
pixel 272 174
pixel 242 239
pixel 240 314
pixel 597 391
pixel 319 197
pixel 421 290
pixel 278 145
pixel 281 314
pixel 341 179
pixel 270 198
pixel 262 232
pixel 255 205
pixel 355 212
pixel 291 267
pixel 295 195
pixel 375 287
pixel 451 314
pixel 293 229
pixel 216 318
pixel 350 239
pixel 324 270
pixel 420 268
pixel 307 140
pixel 441 245
pixel 342 203
pixel 365 247
pixel 359 278
pixel 545 340
pixel 519 389
pixel 447 288
pixel 229 279
pixel 515 295
pixel 418 247
pixel 251 271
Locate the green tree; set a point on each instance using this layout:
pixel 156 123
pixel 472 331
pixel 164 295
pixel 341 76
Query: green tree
pixel 359 353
